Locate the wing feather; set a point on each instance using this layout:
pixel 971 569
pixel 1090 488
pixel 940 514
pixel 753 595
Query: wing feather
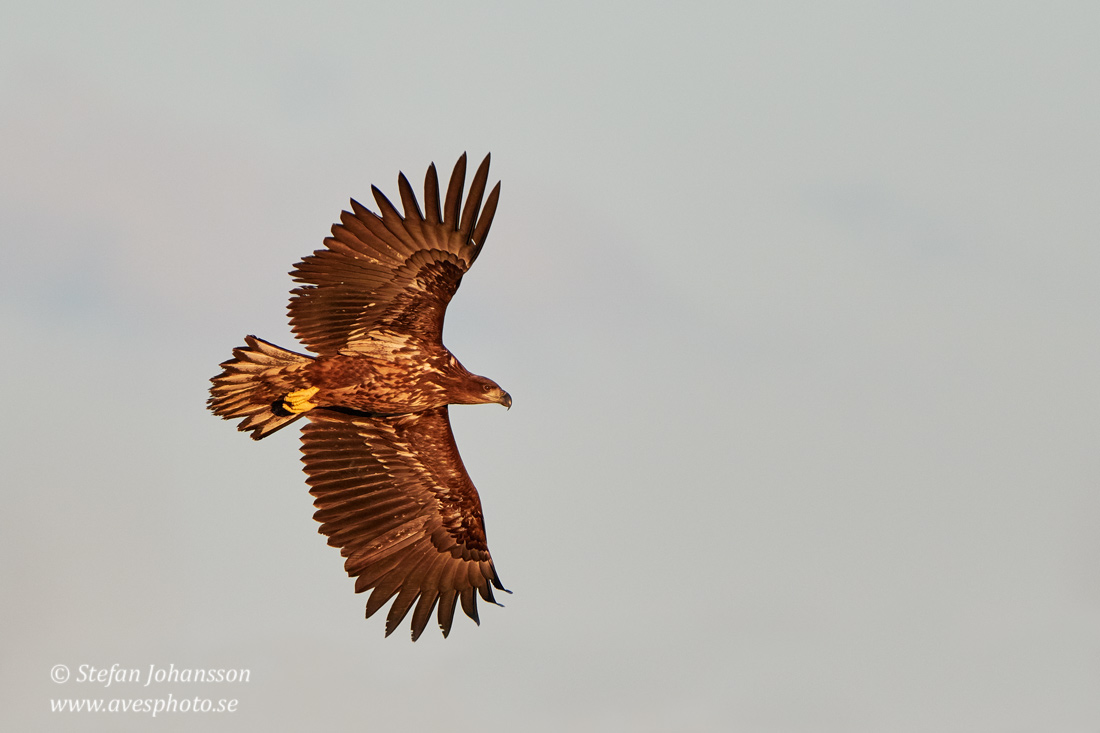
pixel 431 196
pixel 381 594
pixel 414 219
pixel 423 612
pixel 452 206
pixel 400 607
pixel 369 572
pixel 408 199
pixel 392 219
pixel 384 240
pixel 446 613
pixel 481 231
pixel 469 604
pixel 473 199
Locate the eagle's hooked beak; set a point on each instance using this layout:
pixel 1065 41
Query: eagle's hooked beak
pixel 506 400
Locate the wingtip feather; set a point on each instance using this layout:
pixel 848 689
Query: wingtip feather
pixel 452 207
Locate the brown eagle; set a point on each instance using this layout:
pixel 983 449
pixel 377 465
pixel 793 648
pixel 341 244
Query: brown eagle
pixel 391 491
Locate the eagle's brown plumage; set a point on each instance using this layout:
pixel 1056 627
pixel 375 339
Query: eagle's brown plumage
pixel 391 491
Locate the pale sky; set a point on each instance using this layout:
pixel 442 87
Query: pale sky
pixel 797 305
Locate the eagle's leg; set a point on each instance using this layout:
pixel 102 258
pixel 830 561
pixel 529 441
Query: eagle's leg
pixel 299 401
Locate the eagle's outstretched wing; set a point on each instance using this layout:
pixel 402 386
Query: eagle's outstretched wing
pixel 392 493
pixel 392 272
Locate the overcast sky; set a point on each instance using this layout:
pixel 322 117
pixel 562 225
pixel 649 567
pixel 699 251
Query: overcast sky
pixel 797 303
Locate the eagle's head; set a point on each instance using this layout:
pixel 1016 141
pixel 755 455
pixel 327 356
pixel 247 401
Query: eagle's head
pixel 485 390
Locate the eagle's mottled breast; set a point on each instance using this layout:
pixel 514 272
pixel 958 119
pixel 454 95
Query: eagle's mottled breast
pixel 384 376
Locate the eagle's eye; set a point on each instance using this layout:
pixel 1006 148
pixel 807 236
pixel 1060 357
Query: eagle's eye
pixel 485 388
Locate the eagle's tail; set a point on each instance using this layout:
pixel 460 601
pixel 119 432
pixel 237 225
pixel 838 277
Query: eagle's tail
pixel 253 385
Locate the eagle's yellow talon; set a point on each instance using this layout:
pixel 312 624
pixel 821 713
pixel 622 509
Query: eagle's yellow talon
pixel 299 401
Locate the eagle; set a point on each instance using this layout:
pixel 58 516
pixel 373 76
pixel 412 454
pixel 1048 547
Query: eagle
pixel 389 485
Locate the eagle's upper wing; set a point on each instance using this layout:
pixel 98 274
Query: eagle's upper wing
pixel 392 493
pixel 392 272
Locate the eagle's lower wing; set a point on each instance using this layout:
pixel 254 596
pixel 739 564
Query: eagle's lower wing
pixel 392 493
pixel 391 272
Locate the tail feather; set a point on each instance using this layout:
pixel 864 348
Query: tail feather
pixel 253 385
